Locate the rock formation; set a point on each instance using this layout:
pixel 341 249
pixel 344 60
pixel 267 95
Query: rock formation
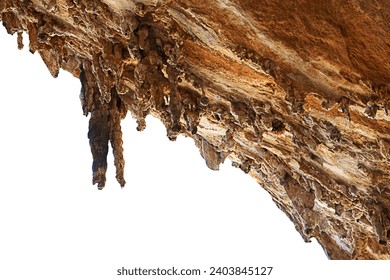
pixel 295 93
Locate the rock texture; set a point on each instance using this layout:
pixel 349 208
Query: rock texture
pixel 295 93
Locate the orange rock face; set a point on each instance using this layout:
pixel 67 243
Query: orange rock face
pixel 296 93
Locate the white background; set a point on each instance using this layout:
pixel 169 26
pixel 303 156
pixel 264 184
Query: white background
pixel 174 211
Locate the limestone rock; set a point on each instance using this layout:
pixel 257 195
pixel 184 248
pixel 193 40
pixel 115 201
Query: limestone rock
pixel 296 93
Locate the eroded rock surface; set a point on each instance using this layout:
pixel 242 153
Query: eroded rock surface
pixel 296 93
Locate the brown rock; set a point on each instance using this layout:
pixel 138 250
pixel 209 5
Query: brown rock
pixel 296 93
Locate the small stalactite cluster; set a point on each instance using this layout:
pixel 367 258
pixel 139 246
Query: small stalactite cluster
pixel 150 60
pixel 104 128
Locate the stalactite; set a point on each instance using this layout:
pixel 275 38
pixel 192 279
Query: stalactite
pixel 98 135
pixel 117 112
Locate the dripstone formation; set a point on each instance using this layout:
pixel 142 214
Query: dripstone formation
pixel 295 93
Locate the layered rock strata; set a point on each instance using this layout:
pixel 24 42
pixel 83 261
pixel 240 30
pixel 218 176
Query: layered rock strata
pixel 295 93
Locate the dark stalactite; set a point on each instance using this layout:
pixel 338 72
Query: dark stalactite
pixel 98 135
